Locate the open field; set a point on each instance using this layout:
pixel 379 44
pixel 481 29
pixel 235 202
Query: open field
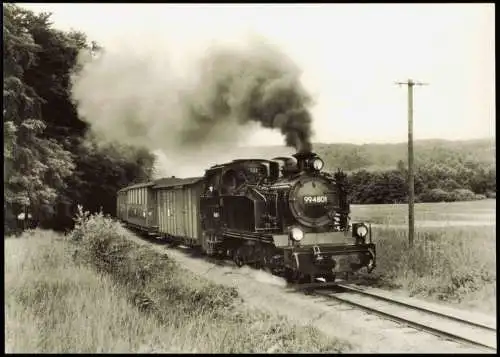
pixel 454 256
pixel 107 294
pixel 472 213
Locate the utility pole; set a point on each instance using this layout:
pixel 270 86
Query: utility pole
pixel 411 179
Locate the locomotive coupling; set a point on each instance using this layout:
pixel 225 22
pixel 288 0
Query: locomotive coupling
pixel 322 259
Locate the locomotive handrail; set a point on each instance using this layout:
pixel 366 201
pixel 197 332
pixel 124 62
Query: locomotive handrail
pixel 259 193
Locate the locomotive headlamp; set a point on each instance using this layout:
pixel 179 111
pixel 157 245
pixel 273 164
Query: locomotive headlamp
pixel 318 164
pixel 296 234
pixel 361 231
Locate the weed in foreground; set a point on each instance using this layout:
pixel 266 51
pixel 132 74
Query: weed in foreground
pixel 96 291
pixel 447 264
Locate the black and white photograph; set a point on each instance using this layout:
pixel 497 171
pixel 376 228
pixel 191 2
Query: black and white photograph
pixel 249 178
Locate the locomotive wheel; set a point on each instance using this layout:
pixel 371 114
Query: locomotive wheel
pixel 220 255
pixel 288 275
pixel 239 262
pixel 330 278
pixel 262 264
pixel 293 276
pixel 237 258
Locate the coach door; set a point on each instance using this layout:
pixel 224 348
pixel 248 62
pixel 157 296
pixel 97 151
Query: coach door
pixel 152 218
pixel 179 212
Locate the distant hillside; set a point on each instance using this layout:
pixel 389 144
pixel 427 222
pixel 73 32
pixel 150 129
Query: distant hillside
pixel 351 157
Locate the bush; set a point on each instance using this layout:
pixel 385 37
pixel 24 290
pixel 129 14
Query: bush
pixel 491 194
pixel 206 311
pixel 463 195
pixel 435 195
pixel 157 279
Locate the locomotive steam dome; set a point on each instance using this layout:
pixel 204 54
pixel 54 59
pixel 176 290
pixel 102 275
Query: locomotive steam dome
pixel 311 200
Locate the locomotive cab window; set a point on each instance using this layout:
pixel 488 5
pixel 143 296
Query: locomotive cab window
pixel 255 173
pixel 212 184
pixel 230 181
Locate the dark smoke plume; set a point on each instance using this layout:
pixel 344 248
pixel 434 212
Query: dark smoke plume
pixel 199 110
pixel 257 83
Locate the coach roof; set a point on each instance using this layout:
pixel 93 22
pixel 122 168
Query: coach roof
pixel 175 181
pixel 137 185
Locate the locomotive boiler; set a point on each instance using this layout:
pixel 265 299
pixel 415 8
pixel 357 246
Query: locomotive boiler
pixel 284 215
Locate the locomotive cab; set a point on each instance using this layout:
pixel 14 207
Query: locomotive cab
pixel 286 166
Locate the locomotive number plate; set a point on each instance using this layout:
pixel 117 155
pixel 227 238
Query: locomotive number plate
pixel 315 199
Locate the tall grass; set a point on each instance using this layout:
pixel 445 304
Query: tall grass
pixel 96 291
pixel 453 264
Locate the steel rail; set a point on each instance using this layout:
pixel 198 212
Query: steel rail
pixel 411 323
pixel 417 308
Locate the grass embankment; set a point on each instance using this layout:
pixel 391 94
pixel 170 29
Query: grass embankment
pixel 96 291
pixel 449 264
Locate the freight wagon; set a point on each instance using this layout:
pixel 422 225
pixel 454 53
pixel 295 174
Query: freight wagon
pixel 137 206
pixel 165 208
pixel 179 209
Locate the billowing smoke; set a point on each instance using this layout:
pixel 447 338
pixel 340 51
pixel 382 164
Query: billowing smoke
pixel 198 112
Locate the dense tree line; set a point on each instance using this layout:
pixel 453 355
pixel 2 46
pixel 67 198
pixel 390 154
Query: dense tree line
pixel 50 161
pixel 445 170
pixel 433 183
pixel 376 157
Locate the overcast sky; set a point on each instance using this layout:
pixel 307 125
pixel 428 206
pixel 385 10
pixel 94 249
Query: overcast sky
pixel 351 55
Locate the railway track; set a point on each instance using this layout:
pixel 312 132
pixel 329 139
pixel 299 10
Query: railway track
pixel 478 334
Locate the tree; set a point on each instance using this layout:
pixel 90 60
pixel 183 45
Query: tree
pixel 51 164
pixel 35 167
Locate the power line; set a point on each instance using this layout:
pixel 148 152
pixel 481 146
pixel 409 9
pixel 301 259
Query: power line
pixel 411 176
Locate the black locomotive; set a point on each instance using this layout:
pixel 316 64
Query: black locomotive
pixel 283 215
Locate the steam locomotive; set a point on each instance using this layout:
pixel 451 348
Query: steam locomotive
pixel 283 215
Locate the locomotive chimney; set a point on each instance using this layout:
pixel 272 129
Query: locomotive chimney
pixel 304 160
